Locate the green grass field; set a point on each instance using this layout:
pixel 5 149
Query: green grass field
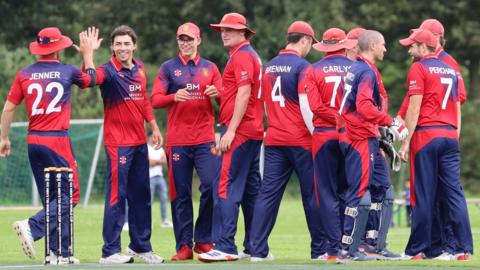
pixel 289 243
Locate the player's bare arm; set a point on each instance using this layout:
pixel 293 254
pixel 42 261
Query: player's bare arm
pixel 157 136
pixel 241 102
pixel 6 121
pixel 411 120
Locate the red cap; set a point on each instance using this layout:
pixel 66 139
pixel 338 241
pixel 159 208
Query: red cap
pixel 234 21
pixel 355 33
pixel 49 40
pixel 188 29
pixel 302 28
pixel 420 36
pixel 433 25
pixel 334 39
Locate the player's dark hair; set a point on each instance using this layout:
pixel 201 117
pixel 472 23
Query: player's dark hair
pixel 123 30
pixel 430 49
pixel 293 38
pixel 443 41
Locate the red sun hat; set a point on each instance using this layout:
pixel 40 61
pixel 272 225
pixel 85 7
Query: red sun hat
pixel 234 21
pixel 420 36
pixel 355 33
pixel 49 40
pixel 334 39
pixel 433 25
pixel 302 28
pixel 188 29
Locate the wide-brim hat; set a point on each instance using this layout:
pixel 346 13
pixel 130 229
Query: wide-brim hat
pixel 334 39
pixel 49 40
pixel 234 21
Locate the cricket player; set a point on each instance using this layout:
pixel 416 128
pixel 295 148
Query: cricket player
pixel 432 120
pixel 288 141
pixel 46 88
pixel 241 117
pixel 363 110
pixel 186 86
pixel 329 75
pixel 443 244
pixel 354 34
pixel 122 83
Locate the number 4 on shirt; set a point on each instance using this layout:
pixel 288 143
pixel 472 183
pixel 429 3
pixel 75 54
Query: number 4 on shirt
pixel 277 92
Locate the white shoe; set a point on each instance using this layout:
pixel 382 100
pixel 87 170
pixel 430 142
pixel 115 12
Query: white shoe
pixel 54 260
pixel 125 227
pixel 243 256
pixel 24 233
pixel 117 258
pixel 217 256
pixel 265 259
pixel 445 256
pixel 149 257
pixel 323 257
pixel 166 224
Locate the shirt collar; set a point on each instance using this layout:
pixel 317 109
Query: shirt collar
pixel 185 60
pixel 48 59
pixel 336 53
pixel 430 55
pixel 289 51
pixel 237 47
pixel 117 65
pixel 370 64
pixel 438 51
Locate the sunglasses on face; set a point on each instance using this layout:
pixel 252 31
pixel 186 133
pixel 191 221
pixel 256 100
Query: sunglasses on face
pixel 46 40
pixel 189 40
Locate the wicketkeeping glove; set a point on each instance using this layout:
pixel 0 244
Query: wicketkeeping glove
pixel 399 130
pixel 386 144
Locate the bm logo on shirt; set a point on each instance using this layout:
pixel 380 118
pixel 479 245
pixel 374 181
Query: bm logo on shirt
pixel 193 86
pixel 134 87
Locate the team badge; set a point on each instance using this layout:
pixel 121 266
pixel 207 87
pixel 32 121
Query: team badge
pixel 177 73
pixel 123 160
pixel 205 72
pixel 120 74
pixel 186 27
pixel 176 157
pixel 142 73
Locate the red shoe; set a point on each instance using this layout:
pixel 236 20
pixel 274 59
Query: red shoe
pixel 462 256
pixel 332 258
pixel 200 248
pixel 419 256
pixel 185 253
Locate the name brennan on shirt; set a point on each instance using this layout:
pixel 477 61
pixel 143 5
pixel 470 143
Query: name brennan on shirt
pixel 277 69
pixel 45 75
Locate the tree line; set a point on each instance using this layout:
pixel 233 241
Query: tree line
pixel 156 22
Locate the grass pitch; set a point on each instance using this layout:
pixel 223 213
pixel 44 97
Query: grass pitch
pixel 289 243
